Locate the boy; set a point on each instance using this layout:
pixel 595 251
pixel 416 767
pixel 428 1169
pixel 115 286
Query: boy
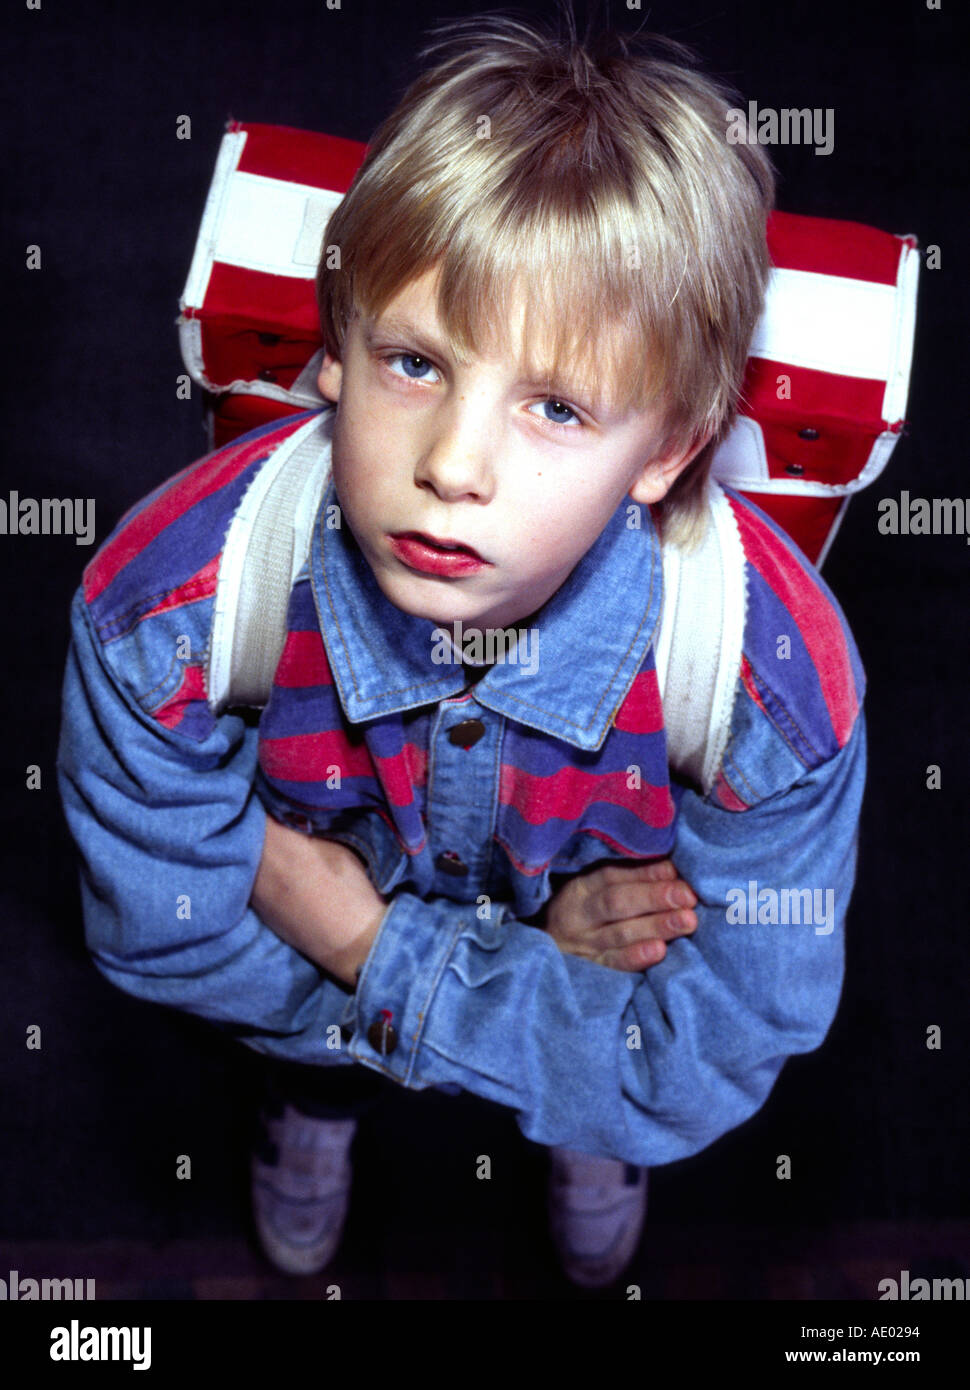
pixel 551 265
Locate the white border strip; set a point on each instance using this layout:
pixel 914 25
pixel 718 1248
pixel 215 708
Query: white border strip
pixel 830 323
pixel 273 225
pixel 213 219
pixel 904 333
pixel 190 341
pixel 833 532
pixel 745 478
pixel 742 455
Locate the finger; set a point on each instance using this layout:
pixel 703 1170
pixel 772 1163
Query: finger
pixel 633 959
pixel 615 902
pixel 657 871
pixel 657 927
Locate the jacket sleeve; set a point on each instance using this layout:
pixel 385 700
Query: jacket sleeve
pixel 648 1067
pixel 170 834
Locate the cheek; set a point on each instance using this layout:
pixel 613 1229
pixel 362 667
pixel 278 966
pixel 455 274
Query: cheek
pixel 564 511
pixel 556 535
pixel 357 470
pixel 351 494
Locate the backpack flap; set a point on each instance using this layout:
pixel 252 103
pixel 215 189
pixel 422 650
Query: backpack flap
pixel 828 375
pixel 248 325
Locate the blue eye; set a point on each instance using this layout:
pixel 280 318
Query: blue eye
pixel 408 360
pixel 559 409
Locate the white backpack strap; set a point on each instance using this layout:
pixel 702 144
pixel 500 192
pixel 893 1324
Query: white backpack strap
pixel 266 546
pixel 698 648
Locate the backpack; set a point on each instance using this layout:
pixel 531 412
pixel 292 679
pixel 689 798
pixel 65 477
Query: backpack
pixel 825 390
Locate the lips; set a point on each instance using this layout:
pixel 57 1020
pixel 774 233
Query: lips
pixel 437 555
pixel 439 542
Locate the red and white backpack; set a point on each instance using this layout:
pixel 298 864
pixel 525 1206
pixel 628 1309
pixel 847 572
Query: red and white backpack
pixel 825 394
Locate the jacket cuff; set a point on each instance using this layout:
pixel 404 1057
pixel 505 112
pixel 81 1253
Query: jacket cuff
pixel 385 1018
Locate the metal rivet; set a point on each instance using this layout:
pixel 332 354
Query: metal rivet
pixel 451 863
pixel 382 1036
pixel 467 734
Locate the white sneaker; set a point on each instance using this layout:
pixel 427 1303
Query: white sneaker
pixel 301 1178
pixel 597 1208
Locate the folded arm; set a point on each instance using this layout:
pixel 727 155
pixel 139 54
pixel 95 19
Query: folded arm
pixel 170 834
pixel 648 1067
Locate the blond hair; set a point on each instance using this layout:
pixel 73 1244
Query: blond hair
pixel 599 177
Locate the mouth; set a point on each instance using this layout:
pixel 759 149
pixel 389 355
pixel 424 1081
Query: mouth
pixel 444 557
pixel 438 543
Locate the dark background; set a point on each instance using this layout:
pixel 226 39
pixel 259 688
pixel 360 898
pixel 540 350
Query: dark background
pixel 875 1123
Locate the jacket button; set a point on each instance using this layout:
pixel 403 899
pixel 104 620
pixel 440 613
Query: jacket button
pixel 382 1036
pixel 466 735
pixel 809 432
pixel 450 863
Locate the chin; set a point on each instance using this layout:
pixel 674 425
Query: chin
pixel 407 601
pixel 445 614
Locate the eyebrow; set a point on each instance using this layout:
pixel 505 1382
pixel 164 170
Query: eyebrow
pixel 403 328
pixel 399 328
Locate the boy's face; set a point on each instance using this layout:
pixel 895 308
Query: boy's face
pixel 473 453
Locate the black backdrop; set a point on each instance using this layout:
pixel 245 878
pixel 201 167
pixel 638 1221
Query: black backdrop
pixel 876 1123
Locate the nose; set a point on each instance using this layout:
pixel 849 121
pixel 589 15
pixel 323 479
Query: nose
pixel 456 457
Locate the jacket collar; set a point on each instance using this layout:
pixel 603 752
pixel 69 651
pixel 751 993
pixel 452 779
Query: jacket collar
pixel 591 637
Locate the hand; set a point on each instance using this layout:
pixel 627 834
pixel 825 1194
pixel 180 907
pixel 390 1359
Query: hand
pixel 316 895
pixel 622 915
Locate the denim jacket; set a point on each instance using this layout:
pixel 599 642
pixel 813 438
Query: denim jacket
pixel 470 803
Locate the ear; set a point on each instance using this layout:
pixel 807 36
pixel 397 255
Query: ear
pixel 329 377
pixel 659 475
